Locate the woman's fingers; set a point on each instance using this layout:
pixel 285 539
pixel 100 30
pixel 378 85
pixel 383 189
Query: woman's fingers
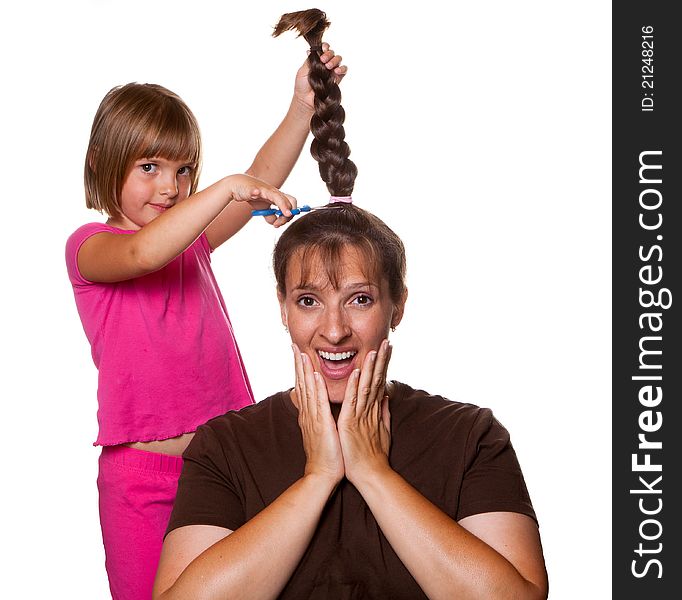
pixel 320 438
pixel 364 421
pixel 310 386
pixel 365 383
pixel 380 369
pixel 322 400
pixel 373 379
pixel 386 414
pixel 300 379
pixel 350 398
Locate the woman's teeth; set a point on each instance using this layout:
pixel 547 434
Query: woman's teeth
pixel 336 355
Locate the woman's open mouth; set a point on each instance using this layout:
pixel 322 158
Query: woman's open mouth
pixel 337 365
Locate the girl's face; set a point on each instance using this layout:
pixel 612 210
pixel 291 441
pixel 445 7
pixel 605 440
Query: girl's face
pixel 151 186
pixel 337 327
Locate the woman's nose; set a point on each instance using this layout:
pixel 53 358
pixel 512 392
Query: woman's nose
pixel 335 327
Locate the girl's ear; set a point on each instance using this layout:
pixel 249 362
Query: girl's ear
pixel 398 311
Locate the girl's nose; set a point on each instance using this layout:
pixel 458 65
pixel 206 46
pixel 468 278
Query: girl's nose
pixel 169 187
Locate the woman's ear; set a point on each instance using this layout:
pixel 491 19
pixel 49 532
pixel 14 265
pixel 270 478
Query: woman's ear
pixel 398 310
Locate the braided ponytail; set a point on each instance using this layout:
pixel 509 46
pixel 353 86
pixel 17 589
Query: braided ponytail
pixel 328 148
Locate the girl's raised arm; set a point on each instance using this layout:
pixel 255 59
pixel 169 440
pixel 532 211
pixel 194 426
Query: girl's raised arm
pixel 279 153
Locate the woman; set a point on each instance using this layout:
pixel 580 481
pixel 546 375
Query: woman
pixel 349 486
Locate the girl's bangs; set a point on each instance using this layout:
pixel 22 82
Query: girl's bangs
pixel 172 145
pixel 173 135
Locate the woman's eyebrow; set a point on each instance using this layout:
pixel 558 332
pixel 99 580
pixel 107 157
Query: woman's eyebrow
pixel 361 284
pixel 314 287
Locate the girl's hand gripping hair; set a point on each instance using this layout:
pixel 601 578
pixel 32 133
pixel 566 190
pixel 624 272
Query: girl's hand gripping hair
pixel 302 90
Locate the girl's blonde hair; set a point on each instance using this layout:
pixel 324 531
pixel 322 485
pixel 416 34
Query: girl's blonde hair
pixel 137 120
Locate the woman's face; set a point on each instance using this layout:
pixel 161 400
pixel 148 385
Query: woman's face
pixel 337 327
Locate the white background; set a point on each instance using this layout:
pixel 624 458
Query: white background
pixel 482 135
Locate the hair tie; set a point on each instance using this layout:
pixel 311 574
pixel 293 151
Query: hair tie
pixel 316 49
pixel 344 199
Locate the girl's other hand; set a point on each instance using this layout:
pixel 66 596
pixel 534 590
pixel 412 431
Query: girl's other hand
pixel 364 423
pixel 302 90
pixel 320 438
pixel 261 195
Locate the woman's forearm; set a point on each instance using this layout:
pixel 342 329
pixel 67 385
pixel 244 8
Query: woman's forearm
pixel 256 561
pixel 445 559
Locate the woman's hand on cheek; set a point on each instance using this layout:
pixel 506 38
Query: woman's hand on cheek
pixel 320 438
pixel 364 423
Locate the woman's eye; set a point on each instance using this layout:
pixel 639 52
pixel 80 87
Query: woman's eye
pixel 306 301
pixel 362 300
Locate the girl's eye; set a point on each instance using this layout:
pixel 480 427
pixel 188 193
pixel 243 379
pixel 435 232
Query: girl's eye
pixel 362 300
pixel 306 301
pixel 148 167
pixel 186 170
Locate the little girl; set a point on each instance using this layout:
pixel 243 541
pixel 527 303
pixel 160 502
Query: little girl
pixel 150 306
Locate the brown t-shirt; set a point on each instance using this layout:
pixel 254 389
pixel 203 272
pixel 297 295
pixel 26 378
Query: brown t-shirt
pixel 457 455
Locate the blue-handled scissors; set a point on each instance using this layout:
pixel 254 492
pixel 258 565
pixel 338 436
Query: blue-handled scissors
pixel 275 211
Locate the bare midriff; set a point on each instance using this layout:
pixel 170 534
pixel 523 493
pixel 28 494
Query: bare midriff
pixel 173 446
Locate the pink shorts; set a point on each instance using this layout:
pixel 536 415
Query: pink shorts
pixel 136 494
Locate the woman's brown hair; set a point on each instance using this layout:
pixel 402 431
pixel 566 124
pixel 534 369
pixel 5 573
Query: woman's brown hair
pixel 324 233
pixel 329 147
pixel 321 236
pixel 137 121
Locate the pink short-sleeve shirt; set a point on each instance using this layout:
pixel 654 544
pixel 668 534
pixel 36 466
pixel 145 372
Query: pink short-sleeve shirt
pixel 163 344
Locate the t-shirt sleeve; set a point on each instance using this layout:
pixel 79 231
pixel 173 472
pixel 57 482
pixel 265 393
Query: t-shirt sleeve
pixel 208 492
pixel 492 479
pixel 73 245
pixel 203 240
